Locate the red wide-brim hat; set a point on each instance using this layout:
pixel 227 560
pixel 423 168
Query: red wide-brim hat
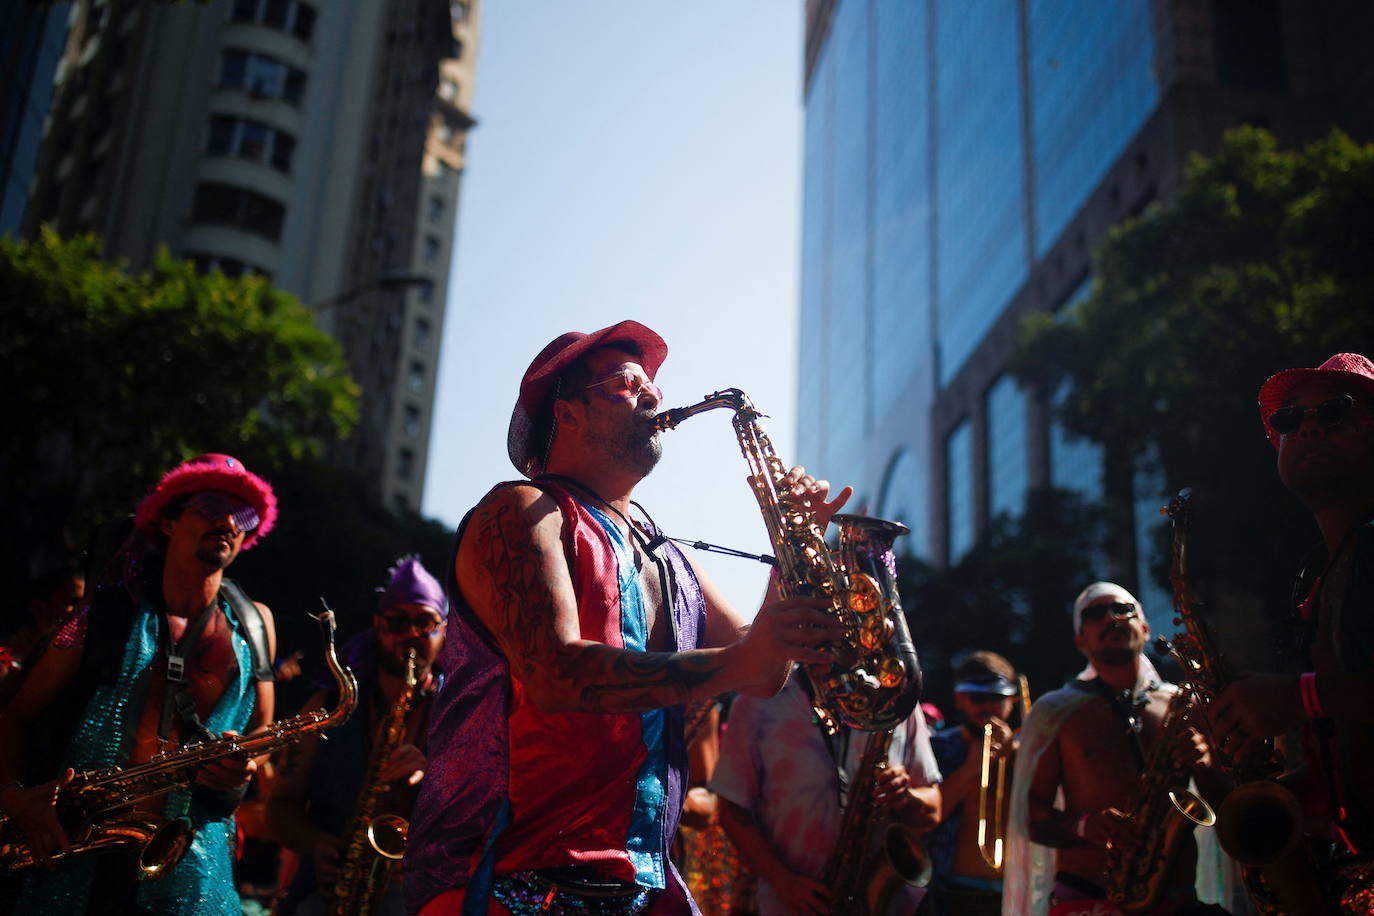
pixel 530 420
pixel 211 472
pixel 1274 392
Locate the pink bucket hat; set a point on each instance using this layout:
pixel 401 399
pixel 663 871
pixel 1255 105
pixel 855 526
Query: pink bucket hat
pixel 222 473
pixel 527 437
pixel 1343 366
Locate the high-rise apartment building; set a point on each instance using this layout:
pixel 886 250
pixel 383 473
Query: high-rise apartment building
pixel 318 143
pixel 31 42
pixel 962 161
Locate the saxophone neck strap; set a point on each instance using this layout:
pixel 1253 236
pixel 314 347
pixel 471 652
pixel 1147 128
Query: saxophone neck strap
pixel 177 701
pixel 1127 704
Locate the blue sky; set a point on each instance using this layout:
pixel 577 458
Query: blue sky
pixel 632 160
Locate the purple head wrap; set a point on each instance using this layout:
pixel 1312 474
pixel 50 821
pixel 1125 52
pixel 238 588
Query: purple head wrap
pixel 410 583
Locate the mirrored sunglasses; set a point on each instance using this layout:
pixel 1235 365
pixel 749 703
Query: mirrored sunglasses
pixel 213 505
pixel 627 383
pixel 401 624
pixel 1094 612
pixel 1289 419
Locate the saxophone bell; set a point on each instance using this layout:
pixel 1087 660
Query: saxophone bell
pixel 386 834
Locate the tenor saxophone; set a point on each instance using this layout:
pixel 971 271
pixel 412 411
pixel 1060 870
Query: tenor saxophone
pixel 1259 823
pixel 98 809
pixel 874 681
pixel 861 882
pixel 1163 811
pixel 375 841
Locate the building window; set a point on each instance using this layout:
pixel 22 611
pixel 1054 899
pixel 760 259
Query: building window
pixel 1008 475
pixel 432 246
pixel 286 15
pixel 250 140
pixel 1075 463
pixel 422 333
pixel 239 207
pixel 415 379
pixel 405 464
pixel 231 267
pixel 458 10
pixel 436 208
pixel 410 424
pixel 261 76
pixel 400 502
pixel 448 89
pixel 959 471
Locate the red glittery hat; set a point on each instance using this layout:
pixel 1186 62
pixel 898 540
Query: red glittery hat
pixel 1348 366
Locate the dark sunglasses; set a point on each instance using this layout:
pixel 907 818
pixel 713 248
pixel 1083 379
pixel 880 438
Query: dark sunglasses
pixel 400 624
pixel 212 505
pixel 1289 419
pixel 1095 612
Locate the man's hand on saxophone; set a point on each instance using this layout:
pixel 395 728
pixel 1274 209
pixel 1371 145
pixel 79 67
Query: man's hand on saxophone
pixel 34 810
pixel 406 762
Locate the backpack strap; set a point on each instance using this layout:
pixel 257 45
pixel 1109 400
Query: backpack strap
pixel 254 629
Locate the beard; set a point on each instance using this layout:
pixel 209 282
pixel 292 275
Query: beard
pixel 213 558
pixel 634 446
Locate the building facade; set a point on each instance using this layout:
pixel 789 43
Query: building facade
pixel 318 144
pixel 962 161
pixel 32 37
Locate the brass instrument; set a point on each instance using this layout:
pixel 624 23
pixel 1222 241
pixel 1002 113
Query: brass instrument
pixel 97 808
pixel 1163 811
pixel 862 884
pixel 991 808
pixel 875 680
pixel 375 842
pixel 1260 822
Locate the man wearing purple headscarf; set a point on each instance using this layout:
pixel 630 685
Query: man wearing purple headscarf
pixel 320 782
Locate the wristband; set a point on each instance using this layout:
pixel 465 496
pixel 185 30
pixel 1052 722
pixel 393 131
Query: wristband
pixel 1080 829
pixel 1311 703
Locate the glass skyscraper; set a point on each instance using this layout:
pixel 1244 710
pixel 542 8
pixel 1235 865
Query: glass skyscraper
pixel 962 161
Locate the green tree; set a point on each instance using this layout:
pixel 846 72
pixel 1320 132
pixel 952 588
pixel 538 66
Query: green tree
pixel 121 375
pixel 1261 262
pixel 1011 593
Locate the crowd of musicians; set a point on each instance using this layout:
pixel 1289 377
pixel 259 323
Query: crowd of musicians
pixel 570 718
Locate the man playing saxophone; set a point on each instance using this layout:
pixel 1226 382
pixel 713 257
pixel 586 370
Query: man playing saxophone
pixel 965 881
pixel 1091 740
pixel 557 765
pixel 173 653
pixel 322 783
pixel 784 789
pixel 1321 423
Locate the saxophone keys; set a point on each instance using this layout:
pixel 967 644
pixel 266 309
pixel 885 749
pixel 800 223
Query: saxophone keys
pixel 874 633
pixel 891 671
pixel 864 595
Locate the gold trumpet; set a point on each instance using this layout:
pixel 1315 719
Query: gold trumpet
pixel 993 845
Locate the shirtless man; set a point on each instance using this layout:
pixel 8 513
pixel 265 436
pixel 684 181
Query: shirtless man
pixel 576 634
pixel 174 626
pixel 1091 740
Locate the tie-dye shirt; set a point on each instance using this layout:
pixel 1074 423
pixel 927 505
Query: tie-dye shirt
pixel 775 763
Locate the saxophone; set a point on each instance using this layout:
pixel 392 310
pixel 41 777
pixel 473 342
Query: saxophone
pixel 376 842
pixel 1163 811
pixel 1260 821
pixel 862 883
pixel 97 809
pixel 875 680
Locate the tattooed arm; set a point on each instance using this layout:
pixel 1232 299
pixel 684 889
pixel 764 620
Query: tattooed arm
pixel 513 572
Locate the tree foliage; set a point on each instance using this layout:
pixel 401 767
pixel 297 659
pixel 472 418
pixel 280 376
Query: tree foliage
pixel 121 375
pixel 1262 262
pixel 1011 593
